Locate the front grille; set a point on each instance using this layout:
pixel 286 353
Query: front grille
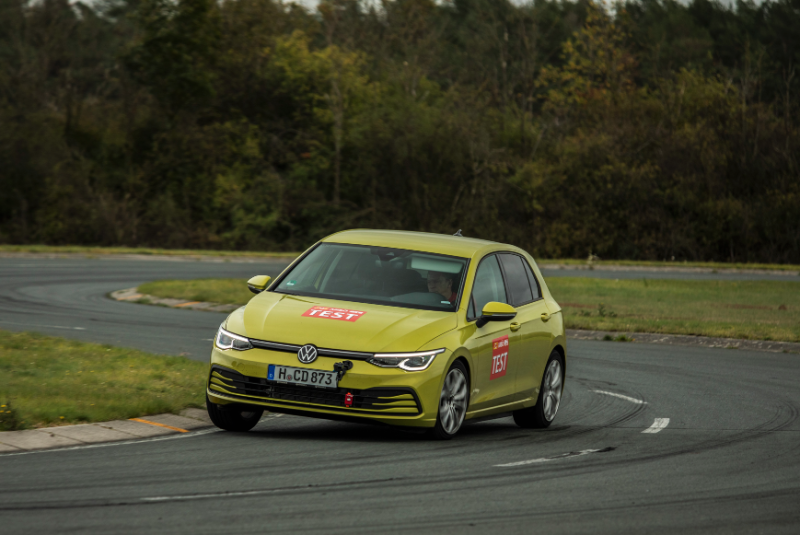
pixel 322 351
pixel 395 400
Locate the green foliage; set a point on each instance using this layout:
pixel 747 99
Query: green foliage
pixel 9 418
pixel 176 54
pixel 652 131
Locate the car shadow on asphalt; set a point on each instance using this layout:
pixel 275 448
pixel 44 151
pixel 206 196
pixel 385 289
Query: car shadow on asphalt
pixel 311 429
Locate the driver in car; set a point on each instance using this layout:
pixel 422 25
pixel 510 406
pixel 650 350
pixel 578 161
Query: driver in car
pixel 442 284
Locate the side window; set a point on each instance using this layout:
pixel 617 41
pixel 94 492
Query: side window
pixel 519 287
pixel 537 292
pixel 488 285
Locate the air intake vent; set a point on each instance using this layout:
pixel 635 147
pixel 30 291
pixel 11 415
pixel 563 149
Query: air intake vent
pixel 400 400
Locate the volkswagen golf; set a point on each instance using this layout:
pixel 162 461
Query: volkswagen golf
pixel 400 328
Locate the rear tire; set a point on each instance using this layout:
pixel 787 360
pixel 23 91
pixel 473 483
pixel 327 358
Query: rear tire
pixel 233 417
pixel 453 403
pixel 544 412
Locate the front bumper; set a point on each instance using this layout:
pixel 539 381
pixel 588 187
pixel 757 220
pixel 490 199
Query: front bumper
pixel 382 395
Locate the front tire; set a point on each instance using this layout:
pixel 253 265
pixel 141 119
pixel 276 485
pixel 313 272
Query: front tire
pixel 544 412
pixel 233 417
pixel 453 402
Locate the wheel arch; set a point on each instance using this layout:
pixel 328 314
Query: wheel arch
pixel 561 351
pixel 464 361
pixel 463 357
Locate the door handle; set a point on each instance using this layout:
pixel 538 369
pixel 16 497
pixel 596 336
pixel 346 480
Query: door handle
pixel 545 316
pixel 515 325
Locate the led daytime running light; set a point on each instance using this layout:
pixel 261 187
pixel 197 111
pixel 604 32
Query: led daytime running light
pixel 228 340
pixel 412 362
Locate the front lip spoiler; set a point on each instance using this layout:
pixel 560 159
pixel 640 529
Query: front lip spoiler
pixel 344 418
pixel 324 413
pixel 325 352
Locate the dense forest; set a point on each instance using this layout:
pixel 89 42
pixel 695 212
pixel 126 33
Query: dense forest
pixel 644 130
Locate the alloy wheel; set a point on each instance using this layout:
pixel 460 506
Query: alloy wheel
pixel 551 397
pixel 453 401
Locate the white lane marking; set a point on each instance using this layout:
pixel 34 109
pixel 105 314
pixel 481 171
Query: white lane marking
pixel 229 494
pixel 658 425
pixel 109 444
pixel 620 396
pixel 204 496
pixel 547 459
pixel 48 326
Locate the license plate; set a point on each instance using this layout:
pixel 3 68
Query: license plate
pixel 302 376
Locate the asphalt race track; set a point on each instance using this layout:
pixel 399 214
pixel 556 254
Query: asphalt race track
pixel 68 297
pixel 649 438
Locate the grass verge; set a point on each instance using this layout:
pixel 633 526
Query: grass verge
pixel 47 381
pixel 755 310
pixel 601 264
pixel 226 291
pixel 596 264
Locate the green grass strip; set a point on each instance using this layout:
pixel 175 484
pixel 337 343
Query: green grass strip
pixel 604 264
pixel 224 291
pixel 47 381
pixel 756 310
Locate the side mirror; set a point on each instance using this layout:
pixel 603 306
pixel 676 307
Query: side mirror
pixel 258 283
pixel 494 311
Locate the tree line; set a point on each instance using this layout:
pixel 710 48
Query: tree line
pixel 645 129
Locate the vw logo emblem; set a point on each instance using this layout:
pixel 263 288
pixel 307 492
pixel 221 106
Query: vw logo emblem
pixel 307 354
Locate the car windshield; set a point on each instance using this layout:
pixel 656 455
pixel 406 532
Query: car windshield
pixel 379 275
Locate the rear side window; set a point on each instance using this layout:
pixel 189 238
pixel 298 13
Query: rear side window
pixel 519 286
pixel 537 292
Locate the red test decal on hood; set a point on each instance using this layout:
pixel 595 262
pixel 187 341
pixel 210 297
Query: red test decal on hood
pixel 341 314
pixel 499 357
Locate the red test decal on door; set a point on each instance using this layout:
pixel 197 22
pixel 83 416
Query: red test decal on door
pixel 499 357
pixel 341 314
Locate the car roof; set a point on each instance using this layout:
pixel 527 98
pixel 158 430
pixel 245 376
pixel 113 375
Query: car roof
pixel 419 241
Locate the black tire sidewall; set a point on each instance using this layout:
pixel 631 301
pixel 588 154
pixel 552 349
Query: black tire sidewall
pixel 533 417
pixel 555 355
pixel 229 417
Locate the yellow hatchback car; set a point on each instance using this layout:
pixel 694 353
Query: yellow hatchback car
pixel 400 328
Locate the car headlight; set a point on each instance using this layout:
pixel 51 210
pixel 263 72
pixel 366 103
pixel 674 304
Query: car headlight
pixel 228 340
pixel 412 362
